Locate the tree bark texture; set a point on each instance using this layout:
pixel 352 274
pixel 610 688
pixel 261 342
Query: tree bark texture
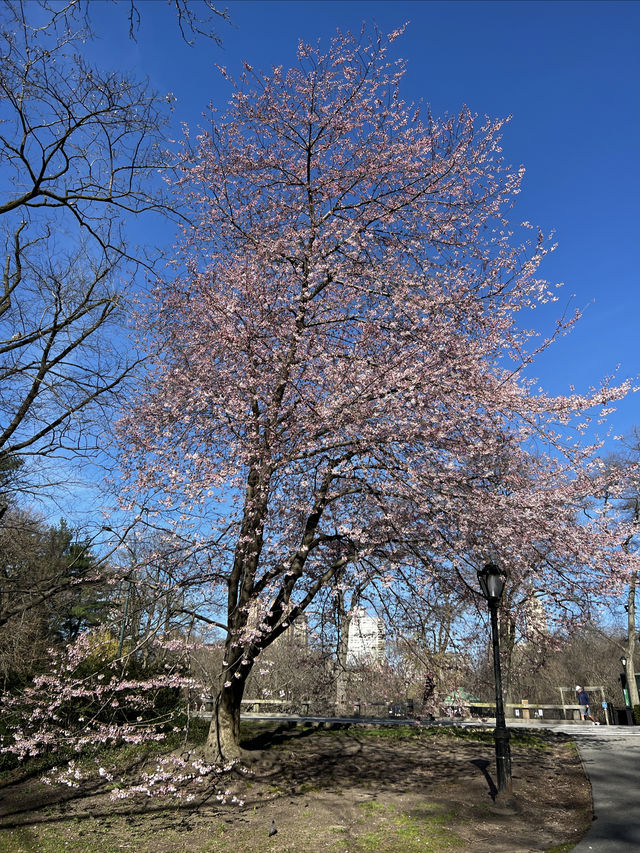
pixel 223 740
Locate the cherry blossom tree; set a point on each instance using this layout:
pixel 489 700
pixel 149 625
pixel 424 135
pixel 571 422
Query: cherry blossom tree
pixel 338 360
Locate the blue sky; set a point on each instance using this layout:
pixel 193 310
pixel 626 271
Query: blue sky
pixel 568 73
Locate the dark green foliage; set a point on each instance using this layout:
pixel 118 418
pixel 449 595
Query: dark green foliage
pixel 81 606
pixel 50 591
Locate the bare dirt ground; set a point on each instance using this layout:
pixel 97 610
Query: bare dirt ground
pixel 348 790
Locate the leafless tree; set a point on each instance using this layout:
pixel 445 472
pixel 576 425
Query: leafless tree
pixel 80 153
pixel 195 18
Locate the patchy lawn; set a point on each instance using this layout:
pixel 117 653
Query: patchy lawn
pixel 339 790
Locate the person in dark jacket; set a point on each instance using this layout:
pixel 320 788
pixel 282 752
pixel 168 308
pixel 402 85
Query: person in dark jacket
pixel 583 701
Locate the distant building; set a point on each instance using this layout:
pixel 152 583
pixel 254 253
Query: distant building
pixel 297 634
pixel 535 615
pixel 366 642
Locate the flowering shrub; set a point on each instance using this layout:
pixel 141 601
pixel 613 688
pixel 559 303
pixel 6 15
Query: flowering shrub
pixel 91 699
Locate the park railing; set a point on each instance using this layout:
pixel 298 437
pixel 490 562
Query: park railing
pixel 525 710
pixel 204 704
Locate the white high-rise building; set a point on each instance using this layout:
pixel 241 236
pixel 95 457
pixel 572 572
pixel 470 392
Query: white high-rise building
pixel 535 615
pixel 366 641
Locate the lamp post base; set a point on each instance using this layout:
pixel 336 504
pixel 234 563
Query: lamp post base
pixel 505 805
pixel 502 737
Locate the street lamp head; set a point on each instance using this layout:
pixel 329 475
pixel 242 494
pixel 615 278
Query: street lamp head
pixel 623 661
pixel 491 581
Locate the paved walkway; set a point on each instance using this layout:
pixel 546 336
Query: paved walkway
pixel 611 758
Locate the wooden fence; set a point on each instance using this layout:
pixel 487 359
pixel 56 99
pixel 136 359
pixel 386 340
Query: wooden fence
pixel 522 710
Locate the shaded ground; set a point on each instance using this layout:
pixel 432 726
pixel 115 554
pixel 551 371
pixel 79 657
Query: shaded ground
pixel 349 790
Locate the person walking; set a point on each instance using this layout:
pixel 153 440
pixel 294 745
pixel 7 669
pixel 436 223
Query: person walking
pixel 583 701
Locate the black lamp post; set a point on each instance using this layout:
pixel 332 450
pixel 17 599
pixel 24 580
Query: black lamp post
pixel 492 584
pixel 624 681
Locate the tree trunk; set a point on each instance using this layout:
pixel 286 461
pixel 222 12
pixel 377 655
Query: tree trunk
pixel 342 675
pixel 223 741
pixel 507 631
pixel 632 634
pixel 631 641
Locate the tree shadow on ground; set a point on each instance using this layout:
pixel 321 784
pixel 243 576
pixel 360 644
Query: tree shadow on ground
pixel 282 733
pixel 287 764
pixel 356 759
pixel 282 762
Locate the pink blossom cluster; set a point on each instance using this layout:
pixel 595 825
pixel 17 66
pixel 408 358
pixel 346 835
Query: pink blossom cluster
pixel 177 776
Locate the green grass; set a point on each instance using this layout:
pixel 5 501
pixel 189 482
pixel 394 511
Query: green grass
pixel 384 828
pixel 68 837
pixel 372 806
pixel 388 732
pixel 424 830
pixel 308 788
pixel 520 738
